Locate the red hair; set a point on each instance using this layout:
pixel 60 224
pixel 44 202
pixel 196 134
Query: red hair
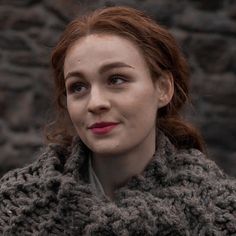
pixel 161 53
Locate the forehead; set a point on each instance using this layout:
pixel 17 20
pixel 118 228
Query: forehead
pixel 104 41
pixel 103 48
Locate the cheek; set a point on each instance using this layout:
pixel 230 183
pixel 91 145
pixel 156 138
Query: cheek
pixel 71 110
pixel 75 113
pixel 144 100
pixel 139 109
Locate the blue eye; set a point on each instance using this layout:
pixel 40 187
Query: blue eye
pixel 77 88
pixel 116 80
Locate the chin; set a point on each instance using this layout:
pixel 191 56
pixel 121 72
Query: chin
pixel 104 151
pixel 107 150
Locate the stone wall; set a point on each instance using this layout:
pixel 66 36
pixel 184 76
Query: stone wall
pixel 205 29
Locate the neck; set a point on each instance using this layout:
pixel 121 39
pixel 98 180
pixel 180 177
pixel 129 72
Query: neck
pixel 114 170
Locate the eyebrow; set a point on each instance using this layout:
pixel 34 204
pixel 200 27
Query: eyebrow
pixel 102 70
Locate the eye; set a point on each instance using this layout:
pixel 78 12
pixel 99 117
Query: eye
pixel 77 87
pixel 117 80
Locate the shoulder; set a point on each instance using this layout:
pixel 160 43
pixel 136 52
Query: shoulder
pixel 23 188
pixel 191 167
pixel 194 162
pixel 49 155
pixel 208 193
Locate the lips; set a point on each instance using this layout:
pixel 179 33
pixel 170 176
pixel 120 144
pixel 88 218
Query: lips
pixel 102 127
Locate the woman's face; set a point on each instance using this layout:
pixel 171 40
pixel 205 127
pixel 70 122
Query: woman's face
pixel 111 98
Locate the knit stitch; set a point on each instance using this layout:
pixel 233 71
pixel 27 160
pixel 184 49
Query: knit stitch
pixel 180 192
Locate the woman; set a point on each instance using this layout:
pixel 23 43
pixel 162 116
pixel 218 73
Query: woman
pixel 120 159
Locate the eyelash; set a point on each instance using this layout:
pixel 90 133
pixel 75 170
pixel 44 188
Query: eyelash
pixel 73 87
pixel 121 77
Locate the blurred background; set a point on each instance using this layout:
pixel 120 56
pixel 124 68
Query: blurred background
pixel 29 29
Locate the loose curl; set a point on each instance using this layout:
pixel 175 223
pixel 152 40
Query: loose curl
pixel 161 53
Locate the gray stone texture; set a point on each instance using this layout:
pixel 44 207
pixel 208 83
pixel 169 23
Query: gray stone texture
pixel 205 30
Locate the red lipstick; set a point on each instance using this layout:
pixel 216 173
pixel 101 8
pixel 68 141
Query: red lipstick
pixel 102 127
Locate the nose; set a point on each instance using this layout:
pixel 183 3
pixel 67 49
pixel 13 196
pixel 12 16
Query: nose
pixel 98 101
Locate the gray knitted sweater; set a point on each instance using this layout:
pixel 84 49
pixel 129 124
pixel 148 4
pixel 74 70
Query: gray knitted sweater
pixel 179 193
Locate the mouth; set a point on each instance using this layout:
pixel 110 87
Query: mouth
pixel 102 127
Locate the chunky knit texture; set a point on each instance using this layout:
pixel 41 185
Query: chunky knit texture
pixel 180 192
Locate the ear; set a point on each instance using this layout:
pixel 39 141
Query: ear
pixel 165 89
